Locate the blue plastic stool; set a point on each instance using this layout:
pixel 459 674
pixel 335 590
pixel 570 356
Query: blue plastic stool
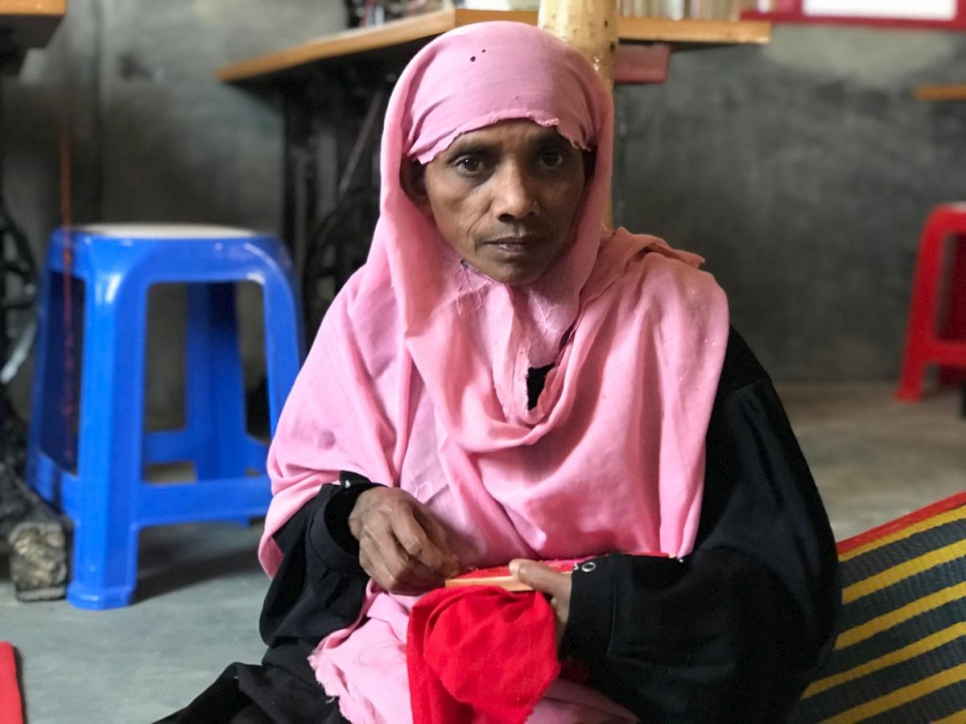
pixel 107 497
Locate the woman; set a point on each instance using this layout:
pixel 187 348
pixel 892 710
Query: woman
pixel 506 380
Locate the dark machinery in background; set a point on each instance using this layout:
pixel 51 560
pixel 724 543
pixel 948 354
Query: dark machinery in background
pixel 338 246
pixel 18 327
pixel 337 241
pixel 35 534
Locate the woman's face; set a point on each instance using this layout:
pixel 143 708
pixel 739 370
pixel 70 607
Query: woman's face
pixel 505 198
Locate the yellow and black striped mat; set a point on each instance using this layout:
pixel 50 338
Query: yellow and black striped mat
pixel 901 653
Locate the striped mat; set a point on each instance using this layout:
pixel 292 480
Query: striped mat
pixel 901 653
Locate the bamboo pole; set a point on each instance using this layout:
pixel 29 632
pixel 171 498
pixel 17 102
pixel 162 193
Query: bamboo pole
pixel 590 26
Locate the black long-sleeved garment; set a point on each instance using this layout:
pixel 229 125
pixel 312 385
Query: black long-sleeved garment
pixel 729 634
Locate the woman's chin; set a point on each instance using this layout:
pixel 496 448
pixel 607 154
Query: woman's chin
pixel 512 275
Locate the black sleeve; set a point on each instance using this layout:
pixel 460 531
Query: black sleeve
pixel 733 632
pixel 319 586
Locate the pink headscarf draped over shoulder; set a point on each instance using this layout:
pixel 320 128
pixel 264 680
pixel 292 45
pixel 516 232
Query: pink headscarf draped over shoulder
pixel 417 378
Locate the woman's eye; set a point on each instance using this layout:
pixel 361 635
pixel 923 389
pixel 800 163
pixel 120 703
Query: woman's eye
pixel 551 159
pixel 469 164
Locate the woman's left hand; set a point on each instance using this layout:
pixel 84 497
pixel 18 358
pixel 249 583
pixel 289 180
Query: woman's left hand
pixel 546 580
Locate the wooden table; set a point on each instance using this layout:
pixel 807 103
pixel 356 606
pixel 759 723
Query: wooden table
pixel 333 92
pixel 405 36
pixel 26 24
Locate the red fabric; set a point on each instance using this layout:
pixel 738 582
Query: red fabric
pixel 480 655
pixel 11 705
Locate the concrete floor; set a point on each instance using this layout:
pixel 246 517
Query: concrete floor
pixel 200 587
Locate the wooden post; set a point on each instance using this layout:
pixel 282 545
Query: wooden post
pixel 590 26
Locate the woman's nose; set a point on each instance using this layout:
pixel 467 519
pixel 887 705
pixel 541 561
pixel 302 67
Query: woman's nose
pixel 514 197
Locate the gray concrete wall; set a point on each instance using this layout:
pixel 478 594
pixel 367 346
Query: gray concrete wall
pixel 802 171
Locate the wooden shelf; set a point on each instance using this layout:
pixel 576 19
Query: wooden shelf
pixel 363 41
pixel 32 21
pixel 33 7
pixel 955 92
pixel 695 32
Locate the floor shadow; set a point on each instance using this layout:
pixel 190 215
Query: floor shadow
pixel 185 575
pixel 179 557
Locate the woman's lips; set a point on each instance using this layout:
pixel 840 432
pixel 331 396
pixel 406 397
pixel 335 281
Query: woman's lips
pixel 514 245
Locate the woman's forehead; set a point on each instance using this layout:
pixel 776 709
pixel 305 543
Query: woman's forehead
pixel 521 131
pixel 524 129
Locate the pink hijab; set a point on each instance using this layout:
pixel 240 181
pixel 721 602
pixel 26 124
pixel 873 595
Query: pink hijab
pixel 417 378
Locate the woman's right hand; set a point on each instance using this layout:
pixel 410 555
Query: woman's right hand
pixel 402 545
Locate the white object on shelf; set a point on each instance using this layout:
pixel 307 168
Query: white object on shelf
pixel 501 4
pixel 905 9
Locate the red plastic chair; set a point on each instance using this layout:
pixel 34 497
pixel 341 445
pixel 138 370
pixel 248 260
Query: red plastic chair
pixel 937 315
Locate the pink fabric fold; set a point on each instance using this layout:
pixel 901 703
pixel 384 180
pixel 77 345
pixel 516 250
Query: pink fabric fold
pixel 417 377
